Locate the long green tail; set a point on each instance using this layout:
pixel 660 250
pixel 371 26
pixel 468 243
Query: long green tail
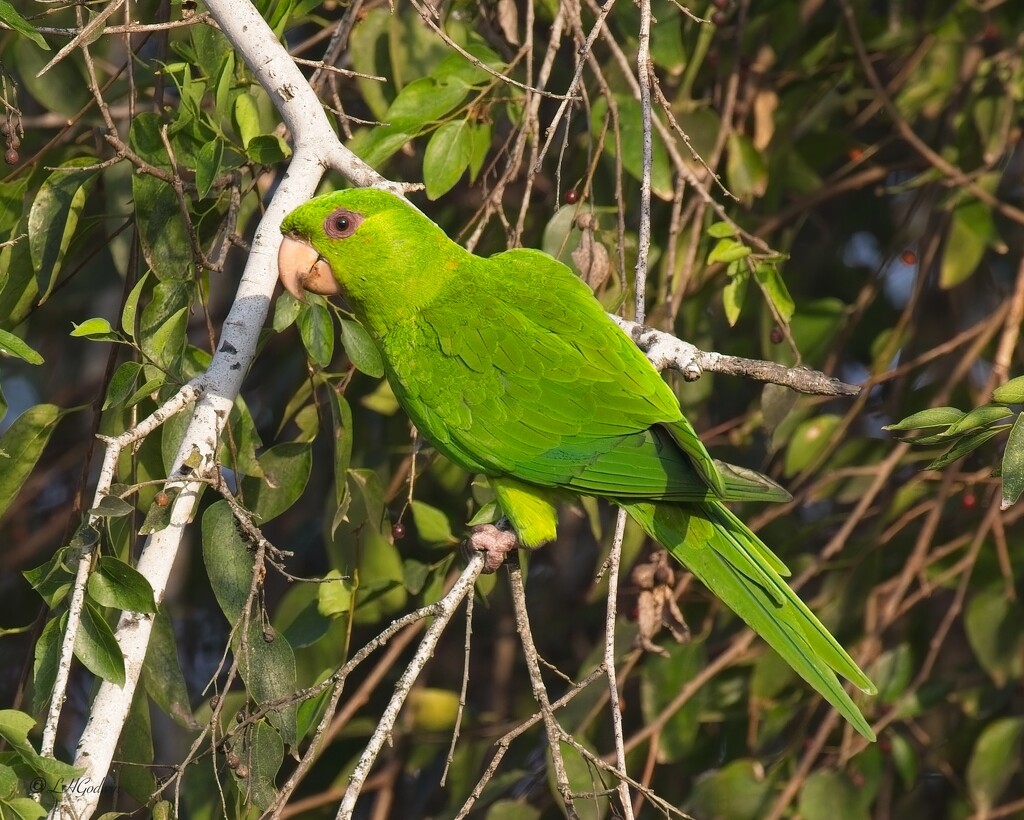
pixel 732 562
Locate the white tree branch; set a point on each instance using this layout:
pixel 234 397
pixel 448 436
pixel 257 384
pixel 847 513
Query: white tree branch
pixel 316 150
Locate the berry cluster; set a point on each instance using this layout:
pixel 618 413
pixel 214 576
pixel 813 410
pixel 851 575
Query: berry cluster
pixel 12 132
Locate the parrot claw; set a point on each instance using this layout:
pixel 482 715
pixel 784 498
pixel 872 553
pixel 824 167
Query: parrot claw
pixel 495 541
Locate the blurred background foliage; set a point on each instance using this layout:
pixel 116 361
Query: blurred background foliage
pixel 837 185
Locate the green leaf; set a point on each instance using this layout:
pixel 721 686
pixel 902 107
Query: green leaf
pixel 317 333
pixel 447 157
pixel 246 115
pixel 208 168
pixel 162 676
pixel 361 350
pixel 1010 393
pixel 286 469
pixel 737 791
pixel 53 219
pixel 978 417
pixel 98 329
pixel 774 287
pixel 334 597
pixel 122 383
pixel 263 753
pixel 733 295
pixel 479 145
pixel 166 346
pixel 721 230
pixel 267 149
pixel 286 311
pixel 432 524
pixel 341 417
pixel 966 445
pixel 994 761
pixel 22 445
pixel 46 658
pixel 745 169
pixel 970 231
pixel 934 417
pixel 117 585
pixel 131 306
pixel 809 440
pixel 830 795
pixel 728 250
pixel 62 89
pixel 9 15
pixel 1013 464
pixel 96 647
pixel 995 630
pixel 111 506
pixel 11 345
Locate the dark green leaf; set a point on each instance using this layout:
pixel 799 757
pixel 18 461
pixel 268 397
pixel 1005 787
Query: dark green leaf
pixel 970 231
pixel 111 506
pixel 211 158
pixel 45 661
pixel 745 169
pixel 286 470
pixel 122 384
pixel 830 796
pixel 162 673
pixel 115 584
pixel 96 647
pixel 267 149
pixel 62 89
pixel 286 310
pixel 162 231
pixel 1013 464
pixel 22 445
pixel 995 629
pixel 263 752
pixel 737 791
pixel 994 761
pixel 447 157
pixel 360 348
pixel 53 219
pixel 341 417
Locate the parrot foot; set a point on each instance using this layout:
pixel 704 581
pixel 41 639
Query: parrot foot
pixel 495 541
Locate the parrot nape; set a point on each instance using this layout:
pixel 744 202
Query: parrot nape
pixel 510 367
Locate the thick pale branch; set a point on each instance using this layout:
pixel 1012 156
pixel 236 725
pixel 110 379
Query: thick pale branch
pixel 666 351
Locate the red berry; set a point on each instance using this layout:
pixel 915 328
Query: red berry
pixel 398 531
pixel 969 500
pixel 572 196
pixel 11 157
pixel 776 335
pixel 719 18
pixel 908 258
pixel 161 499
pixel 855 154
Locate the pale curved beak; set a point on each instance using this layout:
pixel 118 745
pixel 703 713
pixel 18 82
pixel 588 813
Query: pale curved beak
pixel 301 268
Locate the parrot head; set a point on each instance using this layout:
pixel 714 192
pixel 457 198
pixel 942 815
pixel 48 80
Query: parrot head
pixel 362 242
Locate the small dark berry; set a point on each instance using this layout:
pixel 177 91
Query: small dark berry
pixel 11 157
pixel 722 5
pixel 776 335
pixel 5 129
pixel 719 18
pixel 233 760
pixel 215 701
pixel 398 531
pixel 908 258
pixel 13 142
pixel 855 154
pixel 571 196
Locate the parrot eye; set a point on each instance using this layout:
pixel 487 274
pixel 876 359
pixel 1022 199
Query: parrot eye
pixel 341 224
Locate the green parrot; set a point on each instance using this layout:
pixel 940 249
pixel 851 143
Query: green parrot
pixel 510 367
